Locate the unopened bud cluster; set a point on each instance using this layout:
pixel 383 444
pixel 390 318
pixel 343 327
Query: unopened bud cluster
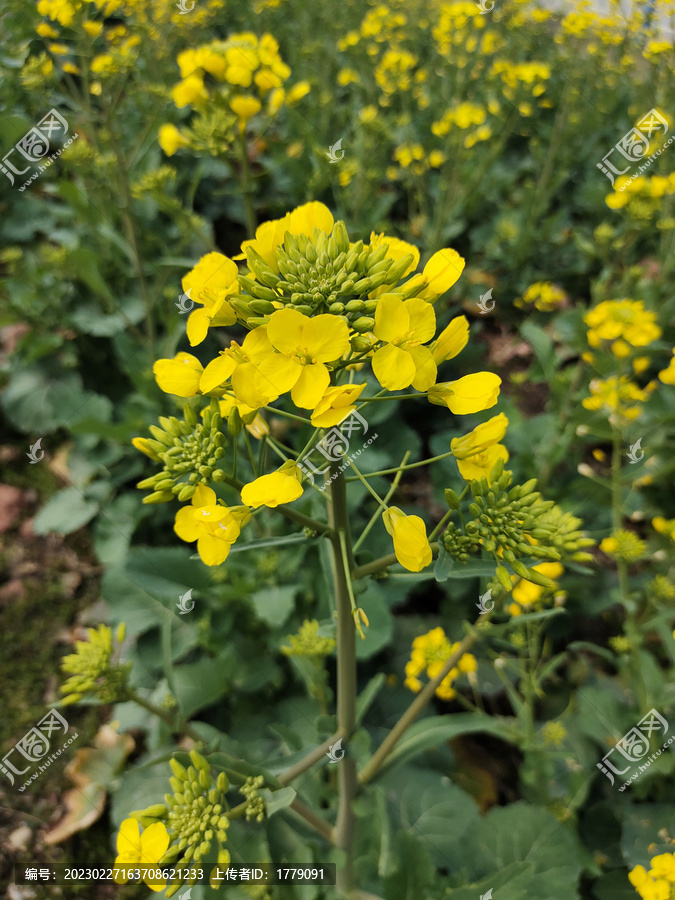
pixel 93 669
pixel 321 274
pixel 514 523
pixel 194 817
pixel 255 805
pixel 190 452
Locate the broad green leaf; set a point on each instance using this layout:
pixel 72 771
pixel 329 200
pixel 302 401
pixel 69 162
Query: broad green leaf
pixel 65 512
pixel 435 730
pixel 275 603
pixel 368 695
pixel 198 685
pixel 277 800
pixel 381 628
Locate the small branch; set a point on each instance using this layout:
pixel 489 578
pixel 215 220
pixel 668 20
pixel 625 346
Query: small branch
pixel 377 565
pixel 314 819
pixel 310 760
pixel 377 759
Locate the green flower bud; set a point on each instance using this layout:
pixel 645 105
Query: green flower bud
pixel 354 306
pixel 222 783
pixel 158 497
pixel 451 499
pixel 363 324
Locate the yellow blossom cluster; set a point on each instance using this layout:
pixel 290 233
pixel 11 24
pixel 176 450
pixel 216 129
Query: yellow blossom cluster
pixel 527 595
pixel 641 196
pixel 243 74
pixel 616 396
pixel 625 323
pixel 544 296
pixel 658 882
pixel 429 654
pixel 302 332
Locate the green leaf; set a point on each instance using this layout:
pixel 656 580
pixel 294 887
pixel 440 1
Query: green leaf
pixel 271 542
pixel 275 603
pixel 65 512
pixel 277 800
pixel 368 695
pixel 542 345
pixel 381 629
pixel 448 567
pixel 437 730
pixel 198 685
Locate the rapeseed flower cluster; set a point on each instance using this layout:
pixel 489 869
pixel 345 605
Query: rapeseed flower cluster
pixel 238 79
pixel 317 308
pixel 94 669
pixel 657 882
pixel 544 296
pixel 429 653
pixel 624 323
pixel 617 397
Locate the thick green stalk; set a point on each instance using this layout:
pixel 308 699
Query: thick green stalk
pixel 346 676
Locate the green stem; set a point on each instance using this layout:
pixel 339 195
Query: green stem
pixel 383 562
pixel 176 725
pixel 368 487
pixel 378 758
pixel 310 760
pixel 346 675
pixel 422 462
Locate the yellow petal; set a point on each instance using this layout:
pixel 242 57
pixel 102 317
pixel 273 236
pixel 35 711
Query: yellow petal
pixel 197 326
pixel 129 838
pixel 154 842
pixel 217 373
pixel 185 524
pixel 391 318
pixel 336 404
pixel 422 319
pixel 394 368
pixel 310 386
pixel 309 216
pixel 326 338
pixel 452 340
pixel 271 490
pixel 252 388
pixel 180 375
pixel 212 550
pixel 470 394
pixel 482 437
pixel 409 534
pixel 442 271
pixel 285 330
pixel 204 496
pixel 425 374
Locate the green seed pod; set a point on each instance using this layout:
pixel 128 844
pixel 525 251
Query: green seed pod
pixel 451 499
pixel 503 577
pixel 363 324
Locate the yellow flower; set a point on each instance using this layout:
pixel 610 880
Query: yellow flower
pixel 627 320
pixel 297 92
pixel 45 30
pixel 93 29
pixel 664 526
pixel 245 107
pixel 136 849
pixel 188 91
pixel 170 139
pixel 429 654
pixel 409 533
pixel 624 545
pixel 479 450
pixel 304 346
pixel 102 64
pixel 470 394
pixel 441 272
pixel 180 375
pixel 451 341
pixel 336 404
pixel 613 396
pixel 404 325
pixel 301 220
pixel 210 283
pixel 213 526
pixel 282 486
pixel 667 375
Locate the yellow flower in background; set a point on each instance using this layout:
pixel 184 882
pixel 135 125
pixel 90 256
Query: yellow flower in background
pixel 209 284
pixel 664 526
pixel 58 49
pixel 527 594
pixel 282 486
pixel 396 250
pixel 297 92
pixel 189 91
pixel 451 341
pixel 404 326
pixel 545 296
pixel 409 533
pixel 215 527
pixel 45 30
pixel 470 394
pixel 622 322
pixel 93 29
pixel 180 375
pixel 336 404
pixel 616 396
pixel 142 850
pixel 667 375
pixel 624 545
pixel 478 451
pixel 170 139
pixel 304 346
pixel 245 107
pixel 428 656
pixel 656 883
